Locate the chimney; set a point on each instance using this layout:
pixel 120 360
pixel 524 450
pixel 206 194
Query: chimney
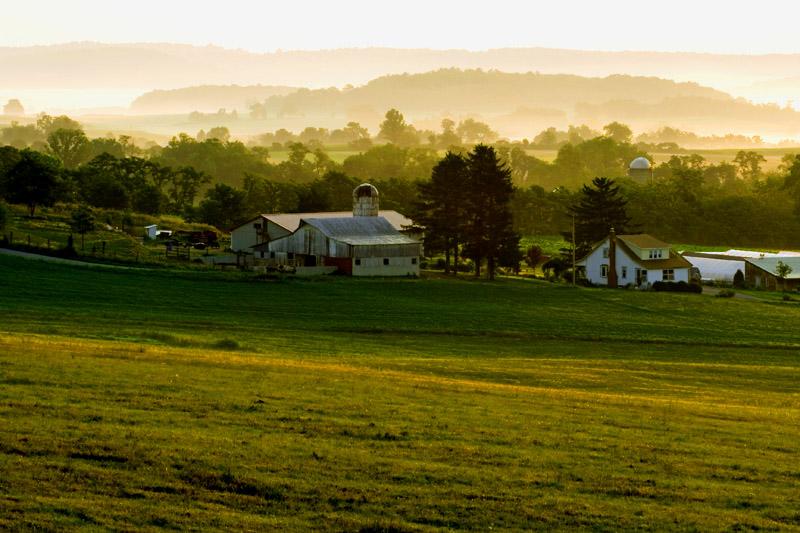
pixel 612 259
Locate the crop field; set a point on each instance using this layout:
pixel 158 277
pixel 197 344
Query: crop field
pixel 150 400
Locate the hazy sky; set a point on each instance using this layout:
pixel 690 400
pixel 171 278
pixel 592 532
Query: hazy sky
pixel 264 26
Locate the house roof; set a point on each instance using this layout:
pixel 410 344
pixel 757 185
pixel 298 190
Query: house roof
pixel 770 264
pixel 359 231
pixel 673 261
pixel 291 221
pixel 643 241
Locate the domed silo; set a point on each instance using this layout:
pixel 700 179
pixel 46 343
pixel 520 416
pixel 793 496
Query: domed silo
pixel 641 169
pixel 365 201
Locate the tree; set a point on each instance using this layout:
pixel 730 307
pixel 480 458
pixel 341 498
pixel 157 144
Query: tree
pixel 186 184
pixel 749 165
pixel 600 208
pixel 223 206
pixel 34 180
pixel 621 133
pixel 783 270
pixel 393 127
pixel 441 205
pixel 71 146
pixel 489 228
pixel 474 131
pixel 13 107
pixel 48 124
pixel 534 256
pixel 220 132
pixel 82 221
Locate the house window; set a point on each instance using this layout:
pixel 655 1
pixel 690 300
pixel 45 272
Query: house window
pixel 257 226
pixel 624 272
pixel 655 254
pixel 386 261
pixel 605 253
pixel 603 271
pixel 413 260
pixel 668 275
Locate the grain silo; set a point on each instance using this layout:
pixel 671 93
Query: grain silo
pixel 641 169
pixel 365 201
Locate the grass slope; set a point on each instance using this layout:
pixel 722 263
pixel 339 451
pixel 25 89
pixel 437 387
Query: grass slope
pixel 142 400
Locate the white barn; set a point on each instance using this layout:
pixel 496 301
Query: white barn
pixel 633 259
pixel 358 246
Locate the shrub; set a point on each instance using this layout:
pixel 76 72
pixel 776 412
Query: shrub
pixel 738 279
pixel 725 293
pixel 681 286
pixel 5 215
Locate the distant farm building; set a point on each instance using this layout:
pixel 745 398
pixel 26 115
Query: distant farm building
pixel 758 268
pixel 633 259
pixel 641 169
pixel 364 242
pixel 763 272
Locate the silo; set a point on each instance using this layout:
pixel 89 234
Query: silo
pixel 641 169
pixel 365 201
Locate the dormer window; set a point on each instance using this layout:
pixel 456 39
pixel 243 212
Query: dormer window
pixel 655 254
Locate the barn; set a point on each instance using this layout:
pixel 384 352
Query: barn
pixel 358 246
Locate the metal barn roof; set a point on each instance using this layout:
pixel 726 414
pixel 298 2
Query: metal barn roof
pixel 359 231
pixel 770 264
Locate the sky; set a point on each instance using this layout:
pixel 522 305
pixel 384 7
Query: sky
pixel 266 25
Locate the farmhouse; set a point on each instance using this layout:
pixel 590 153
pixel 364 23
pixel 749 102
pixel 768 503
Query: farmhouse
pixel 633 259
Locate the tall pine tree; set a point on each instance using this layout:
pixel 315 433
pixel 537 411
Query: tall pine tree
pixel 440 210
pixel 601 207
pixel 489 226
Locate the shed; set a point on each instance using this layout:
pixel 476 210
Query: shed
pixel 152 231
pixel 763 272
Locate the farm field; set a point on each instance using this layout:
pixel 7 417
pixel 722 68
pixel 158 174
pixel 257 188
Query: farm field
pixel 208 400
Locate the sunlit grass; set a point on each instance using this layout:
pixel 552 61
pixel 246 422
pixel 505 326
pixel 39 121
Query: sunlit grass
pixel 132 400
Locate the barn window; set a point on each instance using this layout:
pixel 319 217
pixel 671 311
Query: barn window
pixel 290 255
pixel 272 255
pixel 668 275
pixel 358 262
pixel 257 226
pixel 603 271
pixel 413 260
pixel 386 261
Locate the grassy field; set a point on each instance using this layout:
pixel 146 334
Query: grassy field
pixel 205 400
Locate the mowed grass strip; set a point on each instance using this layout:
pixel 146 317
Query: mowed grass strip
pixel 116 435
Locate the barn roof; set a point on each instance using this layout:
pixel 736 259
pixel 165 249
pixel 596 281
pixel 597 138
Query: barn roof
pixel 770 264
pixel 359 231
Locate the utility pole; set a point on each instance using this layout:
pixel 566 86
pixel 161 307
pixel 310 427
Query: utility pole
pixel 573 249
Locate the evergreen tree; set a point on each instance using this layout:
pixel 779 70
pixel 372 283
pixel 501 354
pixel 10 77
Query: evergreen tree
pixel 600 208
pixel 489 227
pixel 440 209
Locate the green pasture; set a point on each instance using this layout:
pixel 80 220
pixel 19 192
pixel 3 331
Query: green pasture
pixel 149 400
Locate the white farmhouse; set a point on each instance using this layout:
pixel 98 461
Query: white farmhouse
pixel 620 260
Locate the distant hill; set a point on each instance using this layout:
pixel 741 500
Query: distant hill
pixel 205 98
pixel 148 66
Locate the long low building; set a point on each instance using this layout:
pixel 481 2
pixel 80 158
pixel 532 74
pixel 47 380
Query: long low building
pixel 358 246
pixel 718 268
